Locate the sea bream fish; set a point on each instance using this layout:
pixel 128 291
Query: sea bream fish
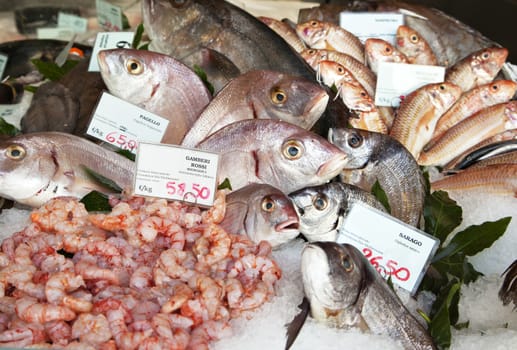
pixel 37 167
pixel 261 94
pixel 157 83
pixel 323 209
pixel 373 157
pixel 345 291
pixel 274 152
pixel 262 213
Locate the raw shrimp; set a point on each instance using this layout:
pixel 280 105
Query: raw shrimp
pixel 55 263
pixel 59 332
pixel 211 293
pixel 154 225
pixel 4 260
pixel 210 330
pixel 74 242
pixel 251 268
pixel 21 335
pixel 90 271
pixel 215 214
pixel 122 218
pixel 61 215
pixel 30 310
pixel 180 294
pixel 62 282
pixel 91 329
pixel 175 338
pixel 141 278
pixel 21 277
pixel 7 305
pixel 213 246
pixel 170 264
pixel 123 337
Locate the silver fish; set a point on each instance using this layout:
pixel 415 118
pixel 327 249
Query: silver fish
pixel 261 212
pixel 37 167
pixel 508 291
pixel 261 94
pixel 159 84
pixel 345 291
pixel 378 157
pixel 274 152
pixel 322 209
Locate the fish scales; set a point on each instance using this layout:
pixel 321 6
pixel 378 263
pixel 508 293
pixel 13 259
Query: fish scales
pixel 479 126
pixel 285 31
pixel 419 112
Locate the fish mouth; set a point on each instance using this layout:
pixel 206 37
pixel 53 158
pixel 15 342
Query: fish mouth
pixel 101 59
pixel 333 166
pixel 288 225
pixel 318 106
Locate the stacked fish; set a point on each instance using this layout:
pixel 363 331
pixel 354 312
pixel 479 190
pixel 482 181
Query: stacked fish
pixel 266 120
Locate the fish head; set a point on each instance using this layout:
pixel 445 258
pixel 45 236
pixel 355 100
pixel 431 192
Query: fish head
pixel 289 98
pixel 313 33
pixel 313 56
pixel 334 276
pixel 302 159
pixel 510 113
pixel 271 216
pixel 499 91
pixel 332 73
pixel 319 209
pixel 409 39
pixel 379 50
pixel 486 63
pixel 357 144
pixel 356 97
pixel 27 166
pixel 443 95
pixel 133 75
pixel 170 23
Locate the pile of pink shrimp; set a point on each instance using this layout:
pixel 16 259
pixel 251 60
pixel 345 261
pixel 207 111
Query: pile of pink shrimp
pixel 150 274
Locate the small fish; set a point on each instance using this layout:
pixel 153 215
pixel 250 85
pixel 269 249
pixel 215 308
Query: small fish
pixel 497 179
pixel 378 50
pixel 373 157
pixel 414 46
pixel 419 112
pixel 326 35
pixel 508 290
pixel 159 84
pixel 345 291
pixel 479 126
pixel 274 152
pixel 478 68
pixel 287 32
pixel 261 94
pixel 37 167
pixel 322 209
pixel 262 213
pixel 502 152
pixel 473 101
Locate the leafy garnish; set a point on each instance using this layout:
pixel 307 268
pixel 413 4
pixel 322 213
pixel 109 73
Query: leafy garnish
pixel 126 153
pixel 125 22
pixel 30 88
pixel 202 75
pixel 442 215
pixel 102 180
pixel 225 184
pixel 7 129
pixel 379 193
pixel 138 36
pixel 440 326
pixel 51 70
pixel 96 201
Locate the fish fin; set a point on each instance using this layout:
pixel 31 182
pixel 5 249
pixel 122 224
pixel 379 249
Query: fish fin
pixel 294 327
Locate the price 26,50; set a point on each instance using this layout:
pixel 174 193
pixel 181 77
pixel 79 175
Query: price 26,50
pixel 390 269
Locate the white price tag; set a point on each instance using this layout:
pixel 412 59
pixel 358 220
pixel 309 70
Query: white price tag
pixel 75 23
pixel 109 16
pixel 59 33
pixel 396 80
pixel 364 25
pixel 109 40
pixel 176 173
pixel 3 64
pixel 123 124
pixel 394 248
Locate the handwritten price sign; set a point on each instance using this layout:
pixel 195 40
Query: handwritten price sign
pixel 188 175
pixel 122 140
pixel 389 269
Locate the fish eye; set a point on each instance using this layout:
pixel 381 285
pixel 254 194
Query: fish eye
pixel 363 94
pixel 278 96
pixel 15 152
pixel 413 38
pixel 355 140
pixel 340 70
pixel 134 66
pixel 442 87
pixel 292 149
pixel 347 264
pixel 314 23
pixel 495 87
pixel 485 55
pixel 311 52
pixel 387 49
pixel 268 204
pixel 320 202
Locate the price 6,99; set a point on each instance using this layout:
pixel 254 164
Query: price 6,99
pixel 181 189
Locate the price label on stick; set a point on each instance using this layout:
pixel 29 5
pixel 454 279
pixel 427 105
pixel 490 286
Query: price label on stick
pixel 123 124
pixel 393 248
pixel 176 173
pixel 366 25
pixel 109 40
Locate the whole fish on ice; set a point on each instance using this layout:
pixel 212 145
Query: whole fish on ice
pixel 344 291
pixel 37 167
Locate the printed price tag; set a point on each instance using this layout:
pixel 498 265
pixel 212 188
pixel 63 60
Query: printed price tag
pixel 109 40
pixel 109 16
pixel 396 80
pixel 3 64
pixel 123 124
pixel 176 173
pixel 366 25
pixel 394 248
pixel 60 33
pixel 73 22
